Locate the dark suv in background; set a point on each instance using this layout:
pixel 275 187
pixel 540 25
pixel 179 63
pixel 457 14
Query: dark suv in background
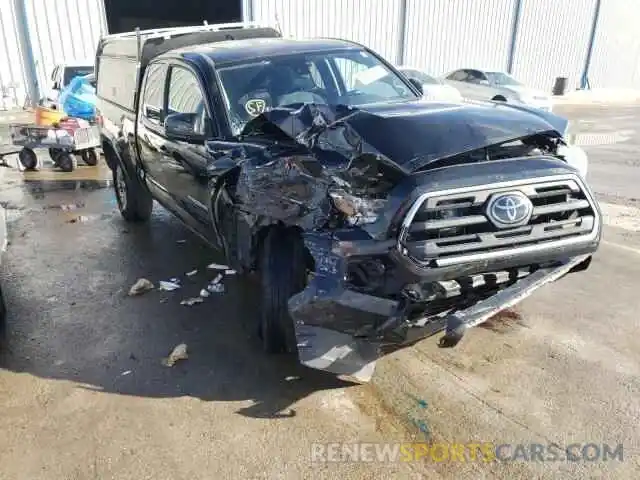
pixel 372 218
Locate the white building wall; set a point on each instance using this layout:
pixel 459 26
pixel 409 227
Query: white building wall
pixel 616 51
pixel 12 75
pixel 62 31
pixel 552 41
pixel 442 35
pixel 437 35
pixel 375 23
pixel 59 31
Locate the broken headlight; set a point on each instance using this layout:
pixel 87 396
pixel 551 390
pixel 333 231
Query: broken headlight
pixel 357 210
pixel 574 156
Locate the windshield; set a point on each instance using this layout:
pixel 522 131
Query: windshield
pixel 71 72
pixel 344 77
pixel 501 78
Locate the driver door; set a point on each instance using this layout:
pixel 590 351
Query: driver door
pixel 184 163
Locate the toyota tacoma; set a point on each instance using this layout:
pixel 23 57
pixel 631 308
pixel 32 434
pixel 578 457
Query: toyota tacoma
pixel 371 217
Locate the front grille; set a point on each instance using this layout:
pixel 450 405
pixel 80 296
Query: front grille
pixel 454 223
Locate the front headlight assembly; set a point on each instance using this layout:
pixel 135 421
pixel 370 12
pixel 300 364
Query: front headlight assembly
pixel 357 210
pixel 576 157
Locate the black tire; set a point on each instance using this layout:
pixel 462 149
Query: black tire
pixel 90 157
pixel 66 161
pixel 53 154
pixel 282 272
pixel 134 199
pixel 28 159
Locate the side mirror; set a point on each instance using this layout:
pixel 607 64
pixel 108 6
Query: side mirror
pixel 417 84
pixel 181 126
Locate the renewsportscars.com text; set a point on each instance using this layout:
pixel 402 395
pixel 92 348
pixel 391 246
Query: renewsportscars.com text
pixel 465 452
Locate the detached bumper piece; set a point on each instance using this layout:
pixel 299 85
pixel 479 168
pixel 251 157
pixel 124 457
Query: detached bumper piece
pixel 344 332
pixel 458 323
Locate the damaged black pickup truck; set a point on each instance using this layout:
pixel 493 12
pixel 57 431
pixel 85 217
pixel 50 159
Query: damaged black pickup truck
pixel 372 218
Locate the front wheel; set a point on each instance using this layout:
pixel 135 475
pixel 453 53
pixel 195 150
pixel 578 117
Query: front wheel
pixel 134 200
pixel 282 272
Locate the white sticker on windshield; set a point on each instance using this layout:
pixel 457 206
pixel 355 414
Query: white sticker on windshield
pixel 255 106
pixel 370 75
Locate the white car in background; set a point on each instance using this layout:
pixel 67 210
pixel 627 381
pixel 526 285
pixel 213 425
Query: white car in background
pixel 433 88
pixel 497 86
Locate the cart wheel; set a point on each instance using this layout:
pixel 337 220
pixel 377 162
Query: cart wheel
pixel 28 159
pixel 53 153
pixel 90 157
pixel 65 161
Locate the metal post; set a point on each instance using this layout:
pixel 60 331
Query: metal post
pixel 402 33
pixel 584 81
pixel 515 27
pixel 26 50
pixel 247 10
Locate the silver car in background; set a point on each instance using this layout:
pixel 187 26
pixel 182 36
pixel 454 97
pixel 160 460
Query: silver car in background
pixel 497 86
pixel 433 88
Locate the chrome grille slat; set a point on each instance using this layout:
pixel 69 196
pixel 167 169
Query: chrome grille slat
pixel 562 210
pixel 449 223
pixel 561 207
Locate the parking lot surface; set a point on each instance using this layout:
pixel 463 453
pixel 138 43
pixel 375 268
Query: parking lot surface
pixel 83 387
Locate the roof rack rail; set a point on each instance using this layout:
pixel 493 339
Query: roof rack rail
pixel 205 27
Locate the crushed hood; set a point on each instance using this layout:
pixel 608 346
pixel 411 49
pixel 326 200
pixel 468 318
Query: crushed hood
pixel 410 135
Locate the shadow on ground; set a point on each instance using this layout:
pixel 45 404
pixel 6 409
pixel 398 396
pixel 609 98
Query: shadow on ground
pixel 65 283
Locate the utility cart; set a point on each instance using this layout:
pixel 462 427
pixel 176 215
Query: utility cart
pixel 64 141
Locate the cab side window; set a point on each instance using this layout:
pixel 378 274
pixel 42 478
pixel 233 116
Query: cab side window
pixel 153 97
pixel 185 97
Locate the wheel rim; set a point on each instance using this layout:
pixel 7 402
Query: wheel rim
pixel 121 188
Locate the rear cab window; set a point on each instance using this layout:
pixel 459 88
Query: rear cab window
pixel 152 103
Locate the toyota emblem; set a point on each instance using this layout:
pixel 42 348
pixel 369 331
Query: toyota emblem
pixel 512 209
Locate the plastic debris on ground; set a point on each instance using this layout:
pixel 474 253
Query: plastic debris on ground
pixel 291 378
pixel 141 286
pixel 191 301
pixel 169 286
pixel 181 241
pixel 204 293
pixel 67 207
pixel 217 266
pixel 230 271
pixel 83 218
pixel 125 373
pixel 191 273
pixel 215 286
pixel 178 353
